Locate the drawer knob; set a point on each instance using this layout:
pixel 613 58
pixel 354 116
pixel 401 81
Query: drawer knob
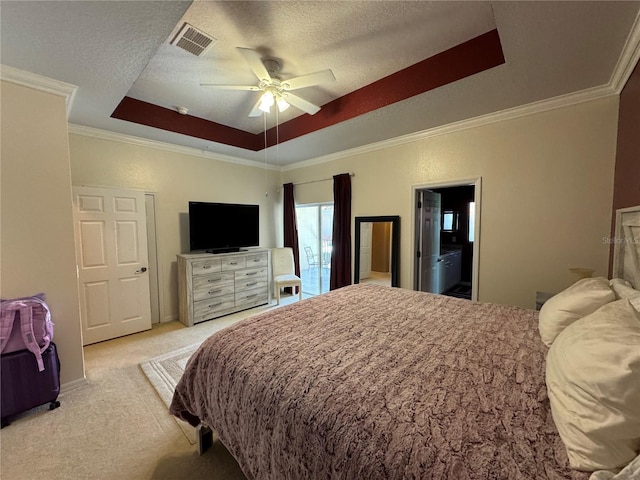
pixel 215 304
pixel 252 273
pixel 213 280
pixel 211 292
pixel 251 284
pixel 205 267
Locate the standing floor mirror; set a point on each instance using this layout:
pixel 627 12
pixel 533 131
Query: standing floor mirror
pixel 377 250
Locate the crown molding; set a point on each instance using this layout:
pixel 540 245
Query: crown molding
pixel 554 103
pixel 169 147
pixel 628 58
pixel 39 82
pixel 562 101
pixel 624 67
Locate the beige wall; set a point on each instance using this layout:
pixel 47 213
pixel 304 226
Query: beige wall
pixel 175 178
pixel 547 189
pixel 37 241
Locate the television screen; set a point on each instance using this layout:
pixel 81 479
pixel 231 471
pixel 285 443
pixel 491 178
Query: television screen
pixel 223 227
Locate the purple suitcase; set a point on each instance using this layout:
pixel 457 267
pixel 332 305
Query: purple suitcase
pixel 23 387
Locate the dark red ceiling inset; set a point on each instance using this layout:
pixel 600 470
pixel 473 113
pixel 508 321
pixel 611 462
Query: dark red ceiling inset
pixel 145 113
pixel 471 57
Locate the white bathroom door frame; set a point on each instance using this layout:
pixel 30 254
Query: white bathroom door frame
pixel 475 182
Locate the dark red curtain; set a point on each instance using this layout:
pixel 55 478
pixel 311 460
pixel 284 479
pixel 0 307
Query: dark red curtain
pixel 291 227
pixel 341 252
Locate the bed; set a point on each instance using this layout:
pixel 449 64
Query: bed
pixel 378 383
pixel 373 382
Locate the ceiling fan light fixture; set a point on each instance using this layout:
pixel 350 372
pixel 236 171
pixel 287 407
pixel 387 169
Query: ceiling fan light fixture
pixel 282 104
pixel 266 102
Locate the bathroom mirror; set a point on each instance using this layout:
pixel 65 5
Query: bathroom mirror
pixel 377 250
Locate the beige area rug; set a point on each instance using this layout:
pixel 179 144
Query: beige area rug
pixel 164 372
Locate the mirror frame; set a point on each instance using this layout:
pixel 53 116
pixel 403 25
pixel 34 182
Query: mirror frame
pixel 395 246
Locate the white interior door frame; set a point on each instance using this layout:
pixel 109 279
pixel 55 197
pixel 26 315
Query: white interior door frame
pixel 475 182
pixel 111 251
pixel 153 244
pixel 155 276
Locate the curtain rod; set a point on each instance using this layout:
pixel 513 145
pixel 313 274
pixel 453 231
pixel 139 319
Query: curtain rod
pixel 351 174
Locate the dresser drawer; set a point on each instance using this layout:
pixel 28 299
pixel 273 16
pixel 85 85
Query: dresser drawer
pixel 205 309
pixel 213 290
pixel 212 280
pixel 249 274
pixel 250 298
pixel 234 263
pixel 202 267
pixel 257 260
pixel 249 283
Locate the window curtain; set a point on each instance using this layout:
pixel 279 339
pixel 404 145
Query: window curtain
pixel 291 228
pixel 341 252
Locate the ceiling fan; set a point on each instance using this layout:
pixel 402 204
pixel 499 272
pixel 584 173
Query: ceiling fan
pixel 274 89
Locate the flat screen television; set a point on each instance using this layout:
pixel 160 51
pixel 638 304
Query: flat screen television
pixel 223 227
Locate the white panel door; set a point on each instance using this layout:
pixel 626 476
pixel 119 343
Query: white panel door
pixel 111 239
pixel 430 260
pixel 366 238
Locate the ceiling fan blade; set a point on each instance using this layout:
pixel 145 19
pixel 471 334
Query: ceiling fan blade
pixel 308 80
pixel 301 103
pixel 255 63
pixel 255 111
pixel 251 88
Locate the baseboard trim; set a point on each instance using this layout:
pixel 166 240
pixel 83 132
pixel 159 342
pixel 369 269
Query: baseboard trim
pixel 74 384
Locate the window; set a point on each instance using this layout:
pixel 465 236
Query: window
pixel 472 221
pixel 449 221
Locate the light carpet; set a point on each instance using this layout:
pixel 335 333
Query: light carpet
pixel 164 372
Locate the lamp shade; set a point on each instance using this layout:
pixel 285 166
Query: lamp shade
pixel 266 102
pixel 282 104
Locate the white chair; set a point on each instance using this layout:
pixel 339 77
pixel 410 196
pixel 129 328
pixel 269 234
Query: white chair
pixel 284 271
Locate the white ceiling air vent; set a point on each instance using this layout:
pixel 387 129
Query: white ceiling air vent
pixel 193 40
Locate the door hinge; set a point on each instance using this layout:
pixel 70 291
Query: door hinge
pixel 419 204
pixel 418 253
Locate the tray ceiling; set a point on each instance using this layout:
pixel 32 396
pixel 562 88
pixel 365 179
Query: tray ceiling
pixel 401 67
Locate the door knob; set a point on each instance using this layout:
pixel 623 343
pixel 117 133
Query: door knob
pixel 142 270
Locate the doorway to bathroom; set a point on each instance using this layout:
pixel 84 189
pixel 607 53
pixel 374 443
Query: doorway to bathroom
pixel 446 242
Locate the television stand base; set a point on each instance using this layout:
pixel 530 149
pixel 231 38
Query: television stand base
pixel 225 250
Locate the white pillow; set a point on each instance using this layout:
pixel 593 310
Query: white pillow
pixel 628 292
pixel 580 299
pixel 593 381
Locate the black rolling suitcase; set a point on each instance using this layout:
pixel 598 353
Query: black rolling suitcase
pixel 23 387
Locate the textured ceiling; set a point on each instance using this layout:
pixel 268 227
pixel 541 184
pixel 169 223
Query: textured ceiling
pixel 305 38
pixel 114 50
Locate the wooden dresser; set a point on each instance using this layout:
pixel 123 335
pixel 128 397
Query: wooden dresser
pixel 211 286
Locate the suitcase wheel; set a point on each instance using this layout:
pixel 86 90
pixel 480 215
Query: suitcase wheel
pixel 54 405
